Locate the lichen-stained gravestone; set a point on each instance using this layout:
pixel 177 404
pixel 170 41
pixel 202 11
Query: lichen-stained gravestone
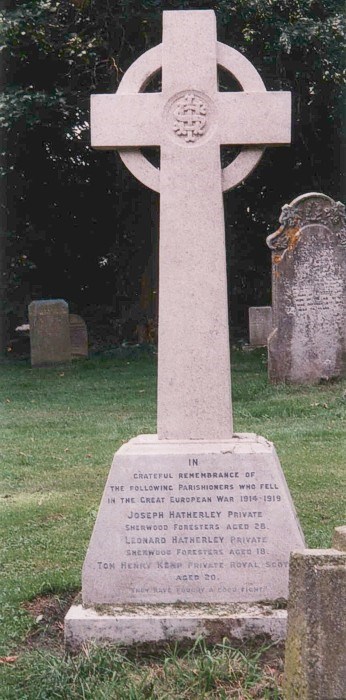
pixel 308 341
pixel 315 666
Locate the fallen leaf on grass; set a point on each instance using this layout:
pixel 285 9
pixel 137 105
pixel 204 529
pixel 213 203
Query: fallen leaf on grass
pixel 270 671
pixel 8 659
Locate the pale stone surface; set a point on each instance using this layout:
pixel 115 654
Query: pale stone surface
pixel 339 538
pixel 78 336
pixel 155 623
pixel 308 341
pixel 315 666
pixel 192 515
pixel 192 521
pixel 49 332
pixel 190 119
pixel 260 325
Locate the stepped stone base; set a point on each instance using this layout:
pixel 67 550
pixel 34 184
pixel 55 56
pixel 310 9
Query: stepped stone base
pixel 164 623
pixel 192 538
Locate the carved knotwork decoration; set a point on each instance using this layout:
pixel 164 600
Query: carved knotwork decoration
pixel 190 117
pixel 294 216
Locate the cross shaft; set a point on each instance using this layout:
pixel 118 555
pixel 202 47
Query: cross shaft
pixel 189 120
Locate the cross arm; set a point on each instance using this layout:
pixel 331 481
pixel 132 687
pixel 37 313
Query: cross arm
pixel 126 120
pixel 250 118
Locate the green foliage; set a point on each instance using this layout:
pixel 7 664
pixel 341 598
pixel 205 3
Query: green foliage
pixel 18 104
pixel 85 224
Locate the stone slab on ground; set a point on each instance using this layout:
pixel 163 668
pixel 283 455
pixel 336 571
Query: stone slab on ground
pixel 193 521
pixel 165 623
pixel 315 666
pixel 260 325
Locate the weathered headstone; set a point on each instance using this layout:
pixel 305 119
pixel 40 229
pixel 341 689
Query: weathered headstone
pixel 260 325
pixel 315 666
pixel 78 336
pixel 195 514
pixel 49 332
pixel 308 342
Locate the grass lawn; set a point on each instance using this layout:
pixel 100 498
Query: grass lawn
pixel 59 428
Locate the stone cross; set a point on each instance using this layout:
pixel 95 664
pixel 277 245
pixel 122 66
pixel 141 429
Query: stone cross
pixel 190 119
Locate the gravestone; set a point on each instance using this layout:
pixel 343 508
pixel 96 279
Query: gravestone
pixel 49 332
pixel 78 336
pixel 260 325
pixel 308 342
pixel 196 523
pixel 315 666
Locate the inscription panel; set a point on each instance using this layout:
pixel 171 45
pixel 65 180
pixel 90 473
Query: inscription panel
pixel 194 528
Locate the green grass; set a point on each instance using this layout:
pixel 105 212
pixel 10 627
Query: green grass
pixel 108 673
pixel 59 429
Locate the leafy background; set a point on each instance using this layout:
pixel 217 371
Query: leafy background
pixel 74 223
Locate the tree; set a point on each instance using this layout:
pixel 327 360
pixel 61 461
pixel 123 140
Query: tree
pixel 77 224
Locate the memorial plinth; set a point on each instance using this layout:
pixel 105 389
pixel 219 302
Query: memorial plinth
pixel 193 521
pixel 196 515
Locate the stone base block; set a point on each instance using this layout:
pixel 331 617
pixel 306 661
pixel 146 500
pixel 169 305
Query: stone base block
pixel 164 623
pixel 192 522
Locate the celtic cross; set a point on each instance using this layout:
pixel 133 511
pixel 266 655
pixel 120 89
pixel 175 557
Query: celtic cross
pixel 190 119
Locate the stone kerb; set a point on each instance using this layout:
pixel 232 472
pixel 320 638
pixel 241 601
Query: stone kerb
pixel 308 340
pixel 316 628
pixel 50 342
pixel 339 538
